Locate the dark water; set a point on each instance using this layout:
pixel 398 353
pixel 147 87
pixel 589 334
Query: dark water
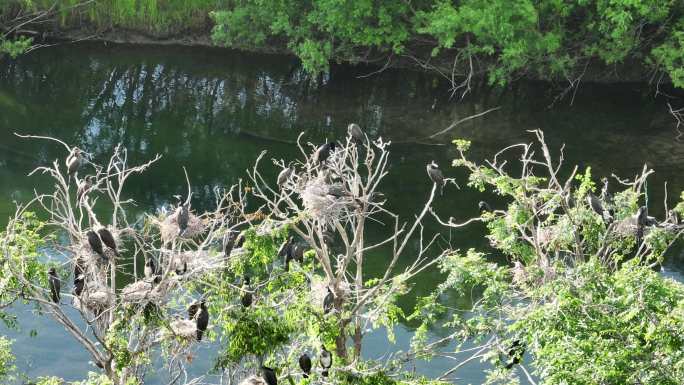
pixel 214 111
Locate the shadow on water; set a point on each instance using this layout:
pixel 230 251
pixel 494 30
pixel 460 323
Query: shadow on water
pixel 213 111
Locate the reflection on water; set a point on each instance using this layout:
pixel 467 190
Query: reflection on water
pixel 214 111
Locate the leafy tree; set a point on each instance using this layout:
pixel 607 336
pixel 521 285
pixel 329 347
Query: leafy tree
pixel 579 295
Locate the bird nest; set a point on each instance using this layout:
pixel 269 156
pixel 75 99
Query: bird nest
pixel 197 261
pixel 141 292
pixel 169 229
pixel 319 289
pixel 253 380
pixel 184 328
pixel 98 298
pixel 320 203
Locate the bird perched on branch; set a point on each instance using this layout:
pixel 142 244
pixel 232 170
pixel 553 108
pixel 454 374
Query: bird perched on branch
pixel 515 353
pixel 323 153
pixel 108 239
pixel 305 364
pixel 436 175
pixel 484 207
pixel 199 312
pixel 326 360
pixel 269 375
pixel 596 205
pixel 183 217
pixel 246 298
pixel 356 133
pixel 79 285
pixel 73 161
pixel 96 244
pixel 284 175
pixel 55 285
pixel 328 301
pixel 151 270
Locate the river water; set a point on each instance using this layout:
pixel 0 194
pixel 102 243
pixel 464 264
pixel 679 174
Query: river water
pixel 213 111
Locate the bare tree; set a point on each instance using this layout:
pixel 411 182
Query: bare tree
pixel 331 195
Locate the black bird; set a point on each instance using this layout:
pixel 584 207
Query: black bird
pixel 356 133
pixel 269 375
pixel 200 313
pixel 286 251
pixel 229 242
pixel 284 175
pixel 515 352
pixel 152 270
pixel 596 205
pixel 323 152
pixel 183 218
pixel 55 285
pixel 484 207
pixel 436 175
pixel 95 243
pixel 73 161
pixel 246 298
pixel 108 240
pixel 79 269
pixel 328 301
pixel 337 191
pixel 240 241
pixel 325 360
pixel 79 284
pixel 305 364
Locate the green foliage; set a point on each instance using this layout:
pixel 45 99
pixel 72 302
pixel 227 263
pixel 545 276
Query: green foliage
pixel 15 47
pixel 587 307
pixel 6 357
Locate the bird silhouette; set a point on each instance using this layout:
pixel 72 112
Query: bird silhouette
pixel 323 153
pixel 108 240
pixel 356 133
pixel 55 285
pixel 96 244
pixel 328 301
pixel 246 298
pixel 305 364
pixel 325 360
pixel 269 375
pixel 284 175
pixel 436 175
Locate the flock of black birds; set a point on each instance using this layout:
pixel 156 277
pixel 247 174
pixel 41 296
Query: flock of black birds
pixel 100 237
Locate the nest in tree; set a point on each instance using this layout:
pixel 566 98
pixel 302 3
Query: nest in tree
pixel 253 380
pixel 99 298
pixel 141 291
pixel 319 289
pixel 184 328
pixel 195 261
pixel 169 229
pixel 325 201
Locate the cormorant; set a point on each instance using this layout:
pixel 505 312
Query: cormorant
pixel 202 320
pixel 55 285
pixel 79 269
pixel 515 352
pixel 108 240
pixel 151 270
pixel 337 191
pixel 240 241
pixel 328 301
pixel 323 152
pixel 305 364
pixel 436 175
pixel 229 243
pixel 73 161
pixel 269 375
pixel 79 284
pixel 95 243
pixel 285 250
pixel 356 133
pixel 246 298
pixel 183 217
pixel 596 205
pixel 325 360
pixel 484 207
pixel 284 175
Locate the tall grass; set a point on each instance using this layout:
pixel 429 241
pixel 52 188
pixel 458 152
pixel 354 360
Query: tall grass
pixel 150 15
